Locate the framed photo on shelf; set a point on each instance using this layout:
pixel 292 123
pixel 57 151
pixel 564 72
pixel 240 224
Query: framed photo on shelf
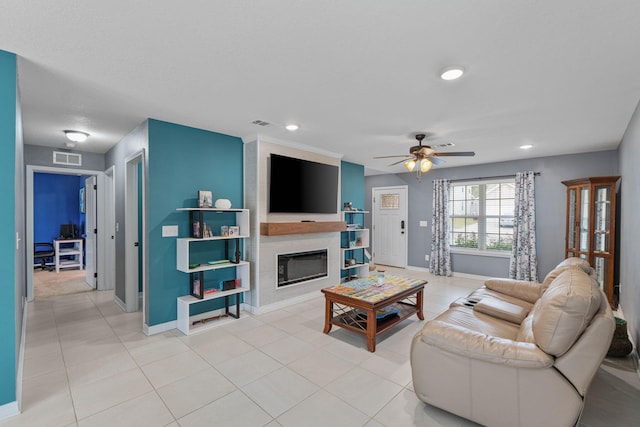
pixel 196 288
pixel 205 199
pixel 234 231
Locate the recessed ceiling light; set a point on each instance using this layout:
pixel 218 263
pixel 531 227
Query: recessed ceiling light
pixel 76 135
pixel 526 146
pixel 452 73
pixel 292 127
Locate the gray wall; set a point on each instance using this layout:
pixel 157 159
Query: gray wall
pixel 131 144
pixel 550 206
pixel 43 156
pixel 629 247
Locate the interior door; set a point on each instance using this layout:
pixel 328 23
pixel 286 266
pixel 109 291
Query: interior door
pixel 90 230
pixel 390 226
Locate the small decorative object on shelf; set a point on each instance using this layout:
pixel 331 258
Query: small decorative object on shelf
pixel 234 231
pixel 227 285
pixel 223 204
pixel 224 230
pixel 347 206
pixel 205 199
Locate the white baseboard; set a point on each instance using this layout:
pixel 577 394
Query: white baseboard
pixel 470 276
pixel 453 274
pixel 160 328
pixel 281 304
pixel 414 268
pixel 9 410
pixel 120 303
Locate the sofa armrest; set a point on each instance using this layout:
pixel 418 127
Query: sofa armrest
pixel 475 345
pixel 522 289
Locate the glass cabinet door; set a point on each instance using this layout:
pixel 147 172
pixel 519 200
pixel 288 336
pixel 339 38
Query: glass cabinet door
pixel 584 219
pixel 602 219
pixel 571 222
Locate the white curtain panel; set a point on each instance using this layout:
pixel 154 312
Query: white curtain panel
pixel 524 262
pixel 440 262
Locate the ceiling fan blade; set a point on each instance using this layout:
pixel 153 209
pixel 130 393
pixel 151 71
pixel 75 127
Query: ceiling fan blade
pixel 456 153
pixel 388 157
pixel 436 161
pixel 399 161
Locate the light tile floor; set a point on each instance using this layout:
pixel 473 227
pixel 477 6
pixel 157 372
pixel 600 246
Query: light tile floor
pixel 88 364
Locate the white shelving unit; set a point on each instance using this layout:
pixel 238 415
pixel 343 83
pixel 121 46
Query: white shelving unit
pixel 355 263
pixel 69 253
pixel 188 324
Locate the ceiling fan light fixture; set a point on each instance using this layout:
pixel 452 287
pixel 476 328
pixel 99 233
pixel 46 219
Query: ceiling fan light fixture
pixel 76 135
pixel 451 73
pixel 425 165
pixel 410 165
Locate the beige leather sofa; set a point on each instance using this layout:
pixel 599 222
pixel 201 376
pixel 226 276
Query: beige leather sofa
pixel 516 353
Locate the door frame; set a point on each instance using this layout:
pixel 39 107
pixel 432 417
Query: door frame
pixel 110 227
pixel 31 170
pixel 131 234
pixel 406 220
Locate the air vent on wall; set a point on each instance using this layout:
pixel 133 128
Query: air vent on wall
pixel 260 123
pixel 69 159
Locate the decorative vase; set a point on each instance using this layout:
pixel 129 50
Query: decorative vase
pixel 223 204
pixel 620 344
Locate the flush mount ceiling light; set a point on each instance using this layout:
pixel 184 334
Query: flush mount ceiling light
pixel 526 146
pixel 292 127
pixel 451 73
pixel 76 135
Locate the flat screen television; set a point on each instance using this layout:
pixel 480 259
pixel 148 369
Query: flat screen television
pixel 302 186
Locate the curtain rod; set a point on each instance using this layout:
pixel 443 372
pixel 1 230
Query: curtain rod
pixel 488 177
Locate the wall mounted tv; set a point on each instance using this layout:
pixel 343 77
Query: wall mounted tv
pixel 302 186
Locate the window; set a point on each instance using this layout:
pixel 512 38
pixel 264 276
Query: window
pixel 481 215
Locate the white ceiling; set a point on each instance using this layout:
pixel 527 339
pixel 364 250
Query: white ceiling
pixel 360 77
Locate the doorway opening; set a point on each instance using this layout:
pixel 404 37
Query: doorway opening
pixel 135 232
pixel 69 238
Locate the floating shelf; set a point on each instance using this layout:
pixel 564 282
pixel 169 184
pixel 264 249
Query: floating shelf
pixel 284 228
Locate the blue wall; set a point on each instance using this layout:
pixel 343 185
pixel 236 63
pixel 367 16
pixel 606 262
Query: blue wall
pixel 55 201
pixel 8 103
pixel 183 160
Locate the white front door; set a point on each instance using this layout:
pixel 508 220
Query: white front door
pixel 390 226
pixel 90 230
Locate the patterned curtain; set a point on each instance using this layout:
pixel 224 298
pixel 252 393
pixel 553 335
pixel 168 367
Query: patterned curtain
pixel 524 263
pixel 440 263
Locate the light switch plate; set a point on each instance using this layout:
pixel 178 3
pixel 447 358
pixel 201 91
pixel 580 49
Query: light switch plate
pixel 424 223
pixel 169 231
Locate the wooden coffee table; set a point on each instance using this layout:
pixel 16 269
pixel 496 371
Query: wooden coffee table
pixel 368 309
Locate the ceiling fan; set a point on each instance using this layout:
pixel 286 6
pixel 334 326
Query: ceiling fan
pixel 424 156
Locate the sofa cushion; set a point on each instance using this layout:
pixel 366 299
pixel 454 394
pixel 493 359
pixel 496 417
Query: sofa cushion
pixel 569 263
pixel 479 322
pixel 502 310
pixel 564 311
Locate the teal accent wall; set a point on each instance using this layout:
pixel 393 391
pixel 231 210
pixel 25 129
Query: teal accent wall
pixel 352 184
pixel 352 190
pixel 183 160
pixel 8 103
